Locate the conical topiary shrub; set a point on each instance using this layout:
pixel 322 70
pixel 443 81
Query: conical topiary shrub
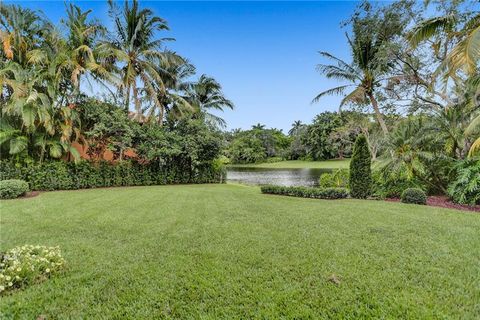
pixel 360 171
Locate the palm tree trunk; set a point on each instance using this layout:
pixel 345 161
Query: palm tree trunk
pixel 378 114
pixel 161 114
pixel 127 100
pixel 138 110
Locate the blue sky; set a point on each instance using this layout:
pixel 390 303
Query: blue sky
pixel 263 53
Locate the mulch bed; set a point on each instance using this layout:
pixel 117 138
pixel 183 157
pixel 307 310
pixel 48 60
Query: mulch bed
pixel 444 202
pixel 30 194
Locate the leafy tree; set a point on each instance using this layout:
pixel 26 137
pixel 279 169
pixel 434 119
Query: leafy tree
pixel 317 137
pixel 360 169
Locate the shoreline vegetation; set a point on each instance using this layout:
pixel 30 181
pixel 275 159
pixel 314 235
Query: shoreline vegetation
pixel 297 164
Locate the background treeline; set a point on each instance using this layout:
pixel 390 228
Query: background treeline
pixel 77 84
pixel 331 135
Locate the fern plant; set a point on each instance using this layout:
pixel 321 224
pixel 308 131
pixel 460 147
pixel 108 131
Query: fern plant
pixel 466 188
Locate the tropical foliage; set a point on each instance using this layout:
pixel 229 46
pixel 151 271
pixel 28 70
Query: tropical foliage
pixel 46 73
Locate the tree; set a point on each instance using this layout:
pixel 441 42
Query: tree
pixel 206 94
pixel 138 52
pixel 360 169
pixel 368 70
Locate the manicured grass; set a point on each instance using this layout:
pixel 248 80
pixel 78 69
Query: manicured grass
pixel 300 164
pixel 228 251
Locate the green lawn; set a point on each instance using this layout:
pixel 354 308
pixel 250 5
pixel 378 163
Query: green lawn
pixel 300 164
pixel 228 251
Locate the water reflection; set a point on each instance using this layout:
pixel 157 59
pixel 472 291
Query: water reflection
pixel 283 177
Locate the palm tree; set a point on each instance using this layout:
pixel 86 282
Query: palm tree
pixel 206 94
pixel 22 31
pixel 258 126
pixel 411 152
pixel 363 75
pixel 137 52
pixel 174 100
pixel 296 127
pixel 78 54
pixel 465 55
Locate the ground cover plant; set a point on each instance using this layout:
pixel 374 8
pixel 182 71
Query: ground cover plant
pixel 228 251
pixel 28 264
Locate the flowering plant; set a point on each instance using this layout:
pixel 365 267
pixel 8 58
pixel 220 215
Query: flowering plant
pixel 23 265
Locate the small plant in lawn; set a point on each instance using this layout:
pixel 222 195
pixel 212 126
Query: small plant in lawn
pixel 414 195
pixel 360 171
pixel 11 189
pixel 24 265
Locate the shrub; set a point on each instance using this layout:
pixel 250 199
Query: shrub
pixel 306 192
pixel 10 189
pixel 360 171
pixel 336 179
pixel 60 175
pixel 414 195
pixel 465 189
pixel 392 184
pixel 21 266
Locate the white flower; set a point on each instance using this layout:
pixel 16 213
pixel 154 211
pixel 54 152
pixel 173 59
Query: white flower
pixel 8 278
pixel 10 284
pixel 47 270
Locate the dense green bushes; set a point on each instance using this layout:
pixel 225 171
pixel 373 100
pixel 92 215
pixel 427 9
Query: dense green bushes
pixel 360 171
pixel 306 192
pixel 414 195
pixel 14 188
pixel 59 175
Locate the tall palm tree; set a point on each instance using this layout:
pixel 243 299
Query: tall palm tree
pixel 174 100
pixel 137 50
pixel 78 54
pixel 206 94
pixel 363 76
pixel 296 127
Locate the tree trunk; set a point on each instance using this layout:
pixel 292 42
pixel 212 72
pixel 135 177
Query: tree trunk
pixel 127 100
pixel 138 110
pixel 378 114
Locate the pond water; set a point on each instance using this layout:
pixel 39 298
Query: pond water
pixel 282 177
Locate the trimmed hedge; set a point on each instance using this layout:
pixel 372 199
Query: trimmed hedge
pixel 11 189
pixel 306 192
pixel 414 195
pixel 60 175
pixel 360 171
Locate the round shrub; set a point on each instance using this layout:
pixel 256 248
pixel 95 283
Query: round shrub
pixel 10 189
pixel 360 171
pixel 414 195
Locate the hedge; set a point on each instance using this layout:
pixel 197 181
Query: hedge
pixel 306 192
pixel 60 175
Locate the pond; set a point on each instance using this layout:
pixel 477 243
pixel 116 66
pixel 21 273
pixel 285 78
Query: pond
pixel 283 177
